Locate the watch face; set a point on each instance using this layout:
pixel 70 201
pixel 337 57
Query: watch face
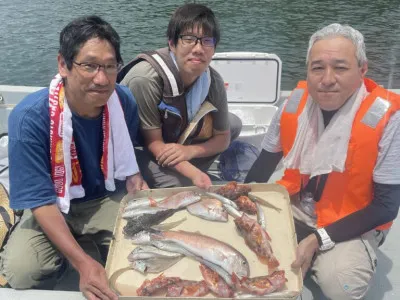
pixel 327 246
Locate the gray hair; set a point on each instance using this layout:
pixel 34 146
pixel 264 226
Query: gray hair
pixel 345 31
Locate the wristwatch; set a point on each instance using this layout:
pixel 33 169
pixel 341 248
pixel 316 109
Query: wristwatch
pixel 326 242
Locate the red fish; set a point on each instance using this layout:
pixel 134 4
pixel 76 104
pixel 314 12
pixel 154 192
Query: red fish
pixel 215 283
pixel 257 239
pixel 245 204
pixel 233 191
pixel 188 288
pixel 261 285
pixel 150 287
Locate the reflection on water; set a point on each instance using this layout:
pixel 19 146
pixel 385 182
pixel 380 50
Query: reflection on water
pixel 29 34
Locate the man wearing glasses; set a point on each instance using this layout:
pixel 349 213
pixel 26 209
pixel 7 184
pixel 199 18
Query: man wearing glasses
pixel 182 102
pixel 67 144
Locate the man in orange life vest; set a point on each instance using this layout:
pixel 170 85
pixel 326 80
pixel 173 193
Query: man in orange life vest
pixel 339 136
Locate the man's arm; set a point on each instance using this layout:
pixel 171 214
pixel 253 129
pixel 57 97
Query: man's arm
pixel 155 144
pixel 386 189
pixel 383 208
pixel 271 153
pixel 173 153
pixel 268 161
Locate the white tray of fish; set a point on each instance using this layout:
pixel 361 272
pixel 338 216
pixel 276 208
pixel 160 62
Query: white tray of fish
pixel 234 241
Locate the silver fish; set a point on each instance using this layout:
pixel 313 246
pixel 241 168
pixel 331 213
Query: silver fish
pixel 210 249
pixel 173 248
pixel 257 199
pixel 222 199
pixel 141 202
pixel 147 251
pixel 261 216
pixel 149 259
pixel 179 200
pixel 233 211
pixel 209 209
pixel 154 264
pixel 142 211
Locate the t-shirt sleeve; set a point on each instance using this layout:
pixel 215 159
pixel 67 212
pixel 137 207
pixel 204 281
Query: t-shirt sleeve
pixel 29 163
pixel 387 167
pixel 146 87
pixel 218 98
pixel 131 113
pixel 272 140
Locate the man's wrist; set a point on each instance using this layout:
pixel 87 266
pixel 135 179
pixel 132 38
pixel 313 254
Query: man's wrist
pixel 326 242
pixel 318 238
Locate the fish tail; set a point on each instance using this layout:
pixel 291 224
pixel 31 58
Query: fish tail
pixel 169 226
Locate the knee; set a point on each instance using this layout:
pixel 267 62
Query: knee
pixel 345 283
pixel 235 126
pixel 25 268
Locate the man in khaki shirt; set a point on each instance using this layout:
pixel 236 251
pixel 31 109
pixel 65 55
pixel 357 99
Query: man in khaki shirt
pixel 193 33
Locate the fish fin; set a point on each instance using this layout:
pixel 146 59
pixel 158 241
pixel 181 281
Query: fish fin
pixel 263 202
pixel 169 226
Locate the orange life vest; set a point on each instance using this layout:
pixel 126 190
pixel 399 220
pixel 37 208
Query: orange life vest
pixel 347 192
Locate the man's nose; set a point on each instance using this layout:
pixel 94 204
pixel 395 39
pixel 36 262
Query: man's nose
pixel 328 78
pixel 198 47
pixel 101 77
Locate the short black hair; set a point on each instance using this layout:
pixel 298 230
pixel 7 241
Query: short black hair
pixel 82 29
pixel 193 15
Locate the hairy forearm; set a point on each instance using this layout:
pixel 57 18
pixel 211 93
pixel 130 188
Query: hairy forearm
pixel 54 226
pixel 217 144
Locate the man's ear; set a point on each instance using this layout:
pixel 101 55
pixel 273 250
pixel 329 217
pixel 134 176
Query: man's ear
pixel 171 46
pixel 364 69
pixel 62 66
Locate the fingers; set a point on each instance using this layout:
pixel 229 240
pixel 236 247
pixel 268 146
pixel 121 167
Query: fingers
pixel 177 156
pixel 96 290
pixel 305 266
pixel 177 160
pixel 89 295
pixel 144 185
pixel 298 261
pixel 302 261
pixel 167 152
pixel 203 182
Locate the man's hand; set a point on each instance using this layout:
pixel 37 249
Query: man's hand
pixel 135 183
pixel 201 180
pixel 93 281
pixel 305 253
pixel 173 154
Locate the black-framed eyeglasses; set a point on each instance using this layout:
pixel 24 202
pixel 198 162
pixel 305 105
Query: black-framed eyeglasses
pixel 93 68
pixel 191 40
